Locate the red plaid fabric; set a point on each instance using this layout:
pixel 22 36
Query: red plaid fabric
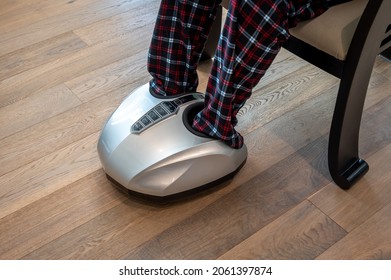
pixel 252 36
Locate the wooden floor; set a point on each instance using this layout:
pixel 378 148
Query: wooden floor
pixel 66 65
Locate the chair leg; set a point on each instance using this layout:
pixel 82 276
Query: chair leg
pixel 345 165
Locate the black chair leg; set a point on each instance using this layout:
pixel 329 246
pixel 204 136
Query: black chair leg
pixel 345 165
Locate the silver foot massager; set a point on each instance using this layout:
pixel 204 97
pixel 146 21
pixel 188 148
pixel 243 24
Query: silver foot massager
pixel 148 146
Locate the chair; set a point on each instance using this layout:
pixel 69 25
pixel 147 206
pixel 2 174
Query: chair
pixel 344 41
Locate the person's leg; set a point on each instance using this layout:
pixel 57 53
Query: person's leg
pixel 179 37
pixel 252 36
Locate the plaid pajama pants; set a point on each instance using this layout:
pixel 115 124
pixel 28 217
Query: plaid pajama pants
pixel 251 38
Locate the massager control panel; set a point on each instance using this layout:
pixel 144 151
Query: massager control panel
pixel 162 111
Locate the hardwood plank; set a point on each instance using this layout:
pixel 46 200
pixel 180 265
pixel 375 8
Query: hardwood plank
pixel 98 231
pixel 353 207
pixel 14 19
pixel 8 6
pixel 55 214
pixel 20 14
pixel 371 240
pixel 66 68
pixel 48 174
pixel 119 24
pixel 38 54
pixel 285 134
pixel 383 67
pixel 58 132
pixel 379 89
pixel 130 72
pixel 283 95
pixel 61 22
pixel 35 109
pixel 124 226
pixel 283 65
pixel 302 233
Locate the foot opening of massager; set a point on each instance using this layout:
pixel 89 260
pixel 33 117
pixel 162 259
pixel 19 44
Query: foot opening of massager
pixel 188 116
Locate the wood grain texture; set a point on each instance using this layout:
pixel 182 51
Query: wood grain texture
pixel 64 68
pixel 43 52
pixel 32 181
pixel 57 132
pixel 371 240
pixel 282 96
pixel 129 21
pixel 35 109
pixel 129 72
pixel 58 19
pixel 302 233
pixel 40 222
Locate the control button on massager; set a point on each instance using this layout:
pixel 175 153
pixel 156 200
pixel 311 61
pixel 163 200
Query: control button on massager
pixel 171 106
pixel 179 101
pixel 152 114
pixel 145 121
pixel 160 110
pixel 137 126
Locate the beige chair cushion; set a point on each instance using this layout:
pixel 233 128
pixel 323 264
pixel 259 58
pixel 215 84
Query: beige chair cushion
pixel 332 31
